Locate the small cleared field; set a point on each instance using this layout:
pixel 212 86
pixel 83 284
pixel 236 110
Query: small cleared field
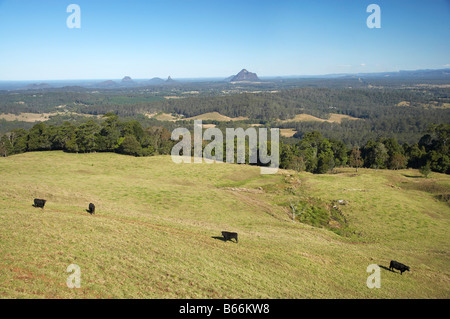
pixel 157 229
pixel 429 105
pixel 404 103
pixel 173 97
pixel 164 117
pixel 35 117
pixel 287 132
pixel 215 116
pixel 334 118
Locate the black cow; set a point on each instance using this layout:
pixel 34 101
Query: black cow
pixel 39 202
pixel 91 208
pixel 399 266
pixel 229 235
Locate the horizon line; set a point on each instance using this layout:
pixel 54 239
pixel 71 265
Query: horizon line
pixel 225 77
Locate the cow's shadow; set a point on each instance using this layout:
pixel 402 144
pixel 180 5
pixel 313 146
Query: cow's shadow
pixel 223 239
pixel 219 238
pixel 386 268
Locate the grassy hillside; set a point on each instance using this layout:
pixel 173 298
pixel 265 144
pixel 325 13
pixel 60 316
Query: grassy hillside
pixel 156 231
pixel 333 118
pixel 215 116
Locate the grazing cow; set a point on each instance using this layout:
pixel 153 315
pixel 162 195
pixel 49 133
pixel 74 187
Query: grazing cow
pixel 229 235
pixel 399 266
pixel 91 208
pixel 39 202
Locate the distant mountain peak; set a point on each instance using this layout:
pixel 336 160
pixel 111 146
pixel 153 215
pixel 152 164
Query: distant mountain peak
pixel 244 75
pixel 38 86
pixel 108 83
pixel 156 80
pixel 170 80
pixel 127 79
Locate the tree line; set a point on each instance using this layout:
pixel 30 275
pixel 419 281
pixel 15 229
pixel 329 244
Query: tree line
pixel 111 135
pixel 317 154
pixel 313 152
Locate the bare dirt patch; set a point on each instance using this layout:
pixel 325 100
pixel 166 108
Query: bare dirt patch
pixel 258 190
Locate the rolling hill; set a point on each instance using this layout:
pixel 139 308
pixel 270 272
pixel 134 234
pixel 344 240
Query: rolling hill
pixel 157 230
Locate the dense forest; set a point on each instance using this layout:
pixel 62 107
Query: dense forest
pixel 317 154
pixel 313 152
pixel 257 105
pixel 113 135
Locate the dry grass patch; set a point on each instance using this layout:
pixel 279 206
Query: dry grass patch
pixel 37 117
pixel 287 132
pixel 165 117
pixel 215 116
pixel 404 103
pixel 337 118
pixel 334 118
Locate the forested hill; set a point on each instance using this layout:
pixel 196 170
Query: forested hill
pixel 243 101
pixel 401 113
pixel 361 103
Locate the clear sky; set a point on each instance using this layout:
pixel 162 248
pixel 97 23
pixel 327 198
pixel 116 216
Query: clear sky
pixel 217 38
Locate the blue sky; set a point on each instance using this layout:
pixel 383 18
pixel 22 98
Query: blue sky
pixel 190 38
